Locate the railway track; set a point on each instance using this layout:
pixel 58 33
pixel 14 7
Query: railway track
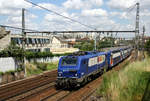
pixel 15 89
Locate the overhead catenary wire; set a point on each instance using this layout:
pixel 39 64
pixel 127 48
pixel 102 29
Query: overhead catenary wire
pixel 18 28
pixel 60 14
pixel 128 11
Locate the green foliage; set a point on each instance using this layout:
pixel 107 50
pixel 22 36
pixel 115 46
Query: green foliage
pixel 10 72
pixel 89 46
pixel 147 46
pixel 37 68
pixel 19 69
pixel 41 66
pixel 85 46
pixel 12 51
pixel 52 66
pixel 126 85
pixel 104 44
pixel 1 73
pixel 31 72
pixel 30 55
pixel 46 66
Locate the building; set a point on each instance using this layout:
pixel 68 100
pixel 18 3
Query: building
pixel 58 42
pixel 38 42
pixel 35 43
pixel 4 38
pixel 61 45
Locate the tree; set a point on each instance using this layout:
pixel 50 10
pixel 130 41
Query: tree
pixel 85 46
pixel 12 51
pixel 147 46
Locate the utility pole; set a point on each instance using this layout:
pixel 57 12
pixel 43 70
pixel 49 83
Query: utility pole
pixel 24 38
pixel 111 39
pixel 95 42
pixel 143 55
pixel 137 30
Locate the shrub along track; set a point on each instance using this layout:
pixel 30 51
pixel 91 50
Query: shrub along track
pixel 22 88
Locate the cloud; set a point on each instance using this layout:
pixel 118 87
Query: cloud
pixel 54 17
pixel 9 6
pixel 73 4
pixel 94 12
pixel 124 4
pixel 88 12
pixel 82 4
pixel 121 4
pixel 51 7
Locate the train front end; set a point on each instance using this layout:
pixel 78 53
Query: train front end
pixel 68 72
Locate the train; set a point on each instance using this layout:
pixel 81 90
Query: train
pixel 81 67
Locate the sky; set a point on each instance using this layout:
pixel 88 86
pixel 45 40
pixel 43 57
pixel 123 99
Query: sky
pixel 99 14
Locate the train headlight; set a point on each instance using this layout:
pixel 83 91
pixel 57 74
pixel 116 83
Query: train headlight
pixel 76 74
pixel 59 74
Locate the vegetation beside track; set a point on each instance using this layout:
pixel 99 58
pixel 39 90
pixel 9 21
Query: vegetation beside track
pixel 37 68
pixel 128 84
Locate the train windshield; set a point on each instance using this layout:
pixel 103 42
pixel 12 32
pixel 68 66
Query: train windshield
pixel 69 62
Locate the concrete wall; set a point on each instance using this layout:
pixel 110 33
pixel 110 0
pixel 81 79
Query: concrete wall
pixel 45 60
pixel 7 64
pixel 63 50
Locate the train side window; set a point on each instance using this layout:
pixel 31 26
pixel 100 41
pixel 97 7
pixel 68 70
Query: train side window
pixel 84 62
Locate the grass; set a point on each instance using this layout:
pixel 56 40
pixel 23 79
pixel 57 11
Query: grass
pixel 37 68
pixel 128 84
pixel 52 65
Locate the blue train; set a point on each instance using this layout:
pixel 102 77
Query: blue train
pixel 81 67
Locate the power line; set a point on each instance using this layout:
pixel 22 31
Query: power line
pixel 59 14
pixel 68 22
pixel 18 28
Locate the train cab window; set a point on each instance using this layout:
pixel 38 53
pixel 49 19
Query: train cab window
pixel 69 62
pixel 84 62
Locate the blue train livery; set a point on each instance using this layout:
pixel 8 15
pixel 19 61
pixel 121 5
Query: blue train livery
pixel 81 67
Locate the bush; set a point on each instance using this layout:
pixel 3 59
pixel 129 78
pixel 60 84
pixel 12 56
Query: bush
pixel 19 69
pixel 85 46
pixel 147 46
pixel 1 73
pixel 12 51
pixel 10 72
pixel 31 72
pixel 51 66
pixel 30 55
pixel 126 85
pixel 41 66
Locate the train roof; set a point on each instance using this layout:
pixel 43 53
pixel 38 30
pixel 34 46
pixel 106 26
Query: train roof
pixel 86 54
pixel 114 48
pixel 93 53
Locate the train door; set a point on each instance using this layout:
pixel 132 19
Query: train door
pixel 106 62
pixel 85 65
pixel 121 51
